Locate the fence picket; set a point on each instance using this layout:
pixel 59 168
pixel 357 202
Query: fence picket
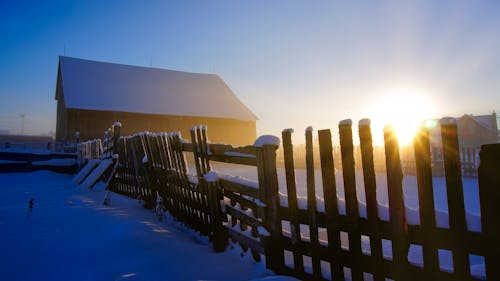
pixel 351 200
pixel 426 201
pixel 292 197
pixel 489 193
pixel 455 194
pixel 397 210
pixel 311 205
pixel 365 141
pixel 331 203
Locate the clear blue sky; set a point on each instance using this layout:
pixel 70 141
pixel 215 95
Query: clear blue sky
pixel 294 63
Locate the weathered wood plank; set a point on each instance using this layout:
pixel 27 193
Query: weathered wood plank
pixel 365 140
pixel 331 204
pixel 292 196
pixel 242 216
pixel 351 199
pixel 422 152
pixel 311 204
pixel 239 188
pixel 489 193
pixel 455 195
pixel 257 208
pixel 249 242
pixel 397 212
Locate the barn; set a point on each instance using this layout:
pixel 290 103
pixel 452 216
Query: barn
pixel 92 95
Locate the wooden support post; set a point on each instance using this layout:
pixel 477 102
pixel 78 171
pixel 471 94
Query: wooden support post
pixel 397 212
pixel 266 147
pixel 218 231
pixel 489 194
pixel 116 136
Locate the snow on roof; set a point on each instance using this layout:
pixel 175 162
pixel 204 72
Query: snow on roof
pixel 94 85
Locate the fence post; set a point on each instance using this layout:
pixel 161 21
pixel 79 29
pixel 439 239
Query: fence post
pixel 397 213
pixel 116 136
pixel 217 229
pixel 489 194
pixel 266 147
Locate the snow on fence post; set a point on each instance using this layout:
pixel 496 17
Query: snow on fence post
pixel 397 210
pixel 116 136
pixel 489 196
pixel 217 229
pixel 265 150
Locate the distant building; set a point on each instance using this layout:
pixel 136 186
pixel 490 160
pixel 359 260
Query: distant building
pixel 477 130
pixel 92 95
pixel 473 131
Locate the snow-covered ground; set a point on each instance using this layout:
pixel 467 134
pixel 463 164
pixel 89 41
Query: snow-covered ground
pixel 71 235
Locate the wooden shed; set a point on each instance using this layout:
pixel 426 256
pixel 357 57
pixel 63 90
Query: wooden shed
pixel 92 95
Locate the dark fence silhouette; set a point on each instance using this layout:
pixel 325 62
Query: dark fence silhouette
pixel 306 242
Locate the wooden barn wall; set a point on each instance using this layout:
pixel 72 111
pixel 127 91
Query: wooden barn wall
pixel 92 124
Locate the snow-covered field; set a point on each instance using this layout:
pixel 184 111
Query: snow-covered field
pixel 73 236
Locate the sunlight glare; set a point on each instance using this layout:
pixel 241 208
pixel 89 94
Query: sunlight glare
pixel 404 110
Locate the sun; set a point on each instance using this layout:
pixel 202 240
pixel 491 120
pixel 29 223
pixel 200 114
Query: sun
pixel 404 109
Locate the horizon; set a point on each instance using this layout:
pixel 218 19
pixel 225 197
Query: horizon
pixel 294 65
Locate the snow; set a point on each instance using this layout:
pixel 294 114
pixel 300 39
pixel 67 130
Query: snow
pixel 448 121
pixel 12 162
pixel 105 86
pixel 94 176
pixel 309 129
pixel 56 162
pixel 267 140
pixel 73 236
pixel 364 122
pixel 117 124
pixel 345 122
pixel 211 176
pixel 289 130
pixel 239 154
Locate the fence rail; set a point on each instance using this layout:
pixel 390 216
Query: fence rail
pixel 305 240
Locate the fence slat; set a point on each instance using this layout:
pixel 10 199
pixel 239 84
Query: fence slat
pixel 455 194
pixel 268 187
pixel 422 153
pixel 489 193
pixel 311 205
pixel 365 141
pixel 292 197
pixel 396 205
pixel 351 200
pixel 331 204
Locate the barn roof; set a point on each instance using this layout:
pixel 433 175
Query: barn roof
pixel 95 85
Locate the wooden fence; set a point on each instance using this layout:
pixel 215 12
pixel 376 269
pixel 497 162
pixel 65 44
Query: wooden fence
pixel 251 214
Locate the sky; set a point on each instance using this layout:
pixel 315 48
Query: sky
pixel 293 63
